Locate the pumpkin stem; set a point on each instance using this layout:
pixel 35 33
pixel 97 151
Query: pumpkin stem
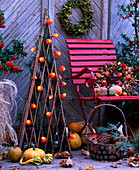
pixel 14 146
pixel 33 147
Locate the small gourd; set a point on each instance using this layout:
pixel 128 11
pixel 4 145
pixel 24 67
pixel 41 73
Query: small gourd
pixel 14 154
pixel 48 158
pixel 76 142
pixel 117 89
pixel 33 153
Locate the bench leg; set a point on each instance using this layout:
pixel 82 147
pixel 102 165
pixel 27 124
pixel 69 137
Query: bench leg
pixel 85 118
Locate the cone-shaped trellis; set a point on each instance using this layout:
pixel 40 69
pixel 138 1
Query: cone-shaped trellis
pixel 48 101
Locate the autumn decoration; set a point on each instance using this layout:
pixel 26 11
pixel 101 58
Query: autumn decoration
pixel 14 154
pixel 44 98
pixel 81 27
pixel 115 79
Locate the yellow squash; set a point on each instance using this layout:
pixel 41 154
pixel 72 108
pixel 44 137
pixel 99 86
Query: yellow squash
pixel 36 161
pixel 48 158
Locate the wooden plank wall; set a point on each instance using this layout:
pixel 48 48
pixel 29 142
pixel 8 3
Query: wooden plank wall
pixel 71 104
pixel 118 25
pixel 23 22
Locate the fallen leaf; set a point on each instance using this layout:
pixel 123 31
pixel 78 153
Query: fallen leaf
pixel 114 165
pixel 85 152
pixel 15 168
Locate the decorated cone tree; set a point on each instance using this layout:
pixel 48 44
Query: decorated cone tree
pixel 44 103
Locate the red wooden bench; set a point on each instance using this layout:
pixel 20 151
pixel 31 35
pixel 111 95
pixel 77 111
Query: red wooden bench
pixel 86 56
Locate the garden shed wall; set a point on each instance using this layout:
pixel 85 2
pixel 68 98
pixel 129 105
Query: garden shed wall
pixel 24 20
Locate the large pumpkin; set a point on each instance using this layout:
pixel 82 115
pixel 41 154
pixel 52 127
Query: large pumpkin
pixel 14 154
pixel 76 126
pixel 117 89
pixel 33 153
pixel 75 143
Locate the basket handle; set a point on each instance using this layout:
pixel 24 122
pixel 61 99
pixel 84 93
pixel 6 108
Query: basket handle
pixel 98 106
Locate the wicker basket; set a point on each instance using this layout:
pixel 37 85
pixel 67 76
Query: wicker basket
pixel 101 151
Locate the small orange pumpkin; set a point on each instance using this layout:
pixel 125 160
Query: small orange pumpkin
pixel 14 154
pixel 33 153
pixel 76 126
pixel 117 89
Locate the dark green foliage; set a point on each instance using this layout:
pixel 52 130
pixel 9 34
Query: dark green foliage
pixel 129 52
pixel 81 27
pixel 8 55
pixel 110 128
pixel 137 144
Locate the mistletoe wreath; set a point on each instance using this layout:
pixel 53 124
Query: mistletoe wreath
pixel 82 26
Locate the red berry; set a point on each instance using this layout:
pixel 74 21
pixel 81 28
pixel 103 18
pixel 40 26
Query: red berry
pixel 130 15
pixel 128 77
pixel 120 83
pixel 119 74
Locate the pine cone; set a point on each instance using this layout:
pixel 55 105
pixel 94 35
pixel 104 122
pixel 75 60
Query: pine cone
pixel 104 138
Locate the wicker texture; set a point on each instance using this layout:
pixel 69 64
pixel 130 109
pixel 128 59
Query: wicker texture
pixel 101 151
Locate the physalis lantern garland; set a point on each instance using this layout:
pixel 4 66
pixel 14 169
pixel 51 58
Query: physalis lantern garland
pixel 7 56
pixel 124 76
pixel 41 90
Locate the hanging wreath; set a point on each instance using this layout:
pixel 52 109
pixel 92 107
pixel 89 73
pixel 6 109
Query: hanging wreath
pixel 81 27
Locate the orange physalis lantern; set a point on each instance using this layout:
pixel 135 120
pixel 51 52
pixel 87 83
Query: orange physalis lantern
pixel 49 21
pixel 63 83
pixel 50 97
pixel 52 75
pixel 62 68
pixel 33 106
pixel 33 49
pixel 28 122
pixel 63 96
pixel 55 35
pixel 35 77
pixel 49 114
pixel 57 53
pixel 43 139
pixel 42 59
pixel 48 41
pixel 72 136
pixel 40 88
pixel 60 77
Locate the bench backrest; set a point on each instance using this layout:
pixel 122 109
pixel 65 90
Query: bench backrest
pixel 89 53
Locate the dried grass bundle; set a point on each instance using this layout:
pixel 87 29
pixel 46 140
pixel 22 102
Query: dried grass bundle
pixel 8 106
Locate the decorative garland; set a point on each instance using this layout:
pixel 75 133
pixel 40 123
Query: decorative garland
pixel 82 26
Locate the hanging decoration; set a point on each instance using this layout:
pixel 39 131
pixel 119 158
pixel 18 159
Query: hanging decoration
pixel 81 27
pixel 43 121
